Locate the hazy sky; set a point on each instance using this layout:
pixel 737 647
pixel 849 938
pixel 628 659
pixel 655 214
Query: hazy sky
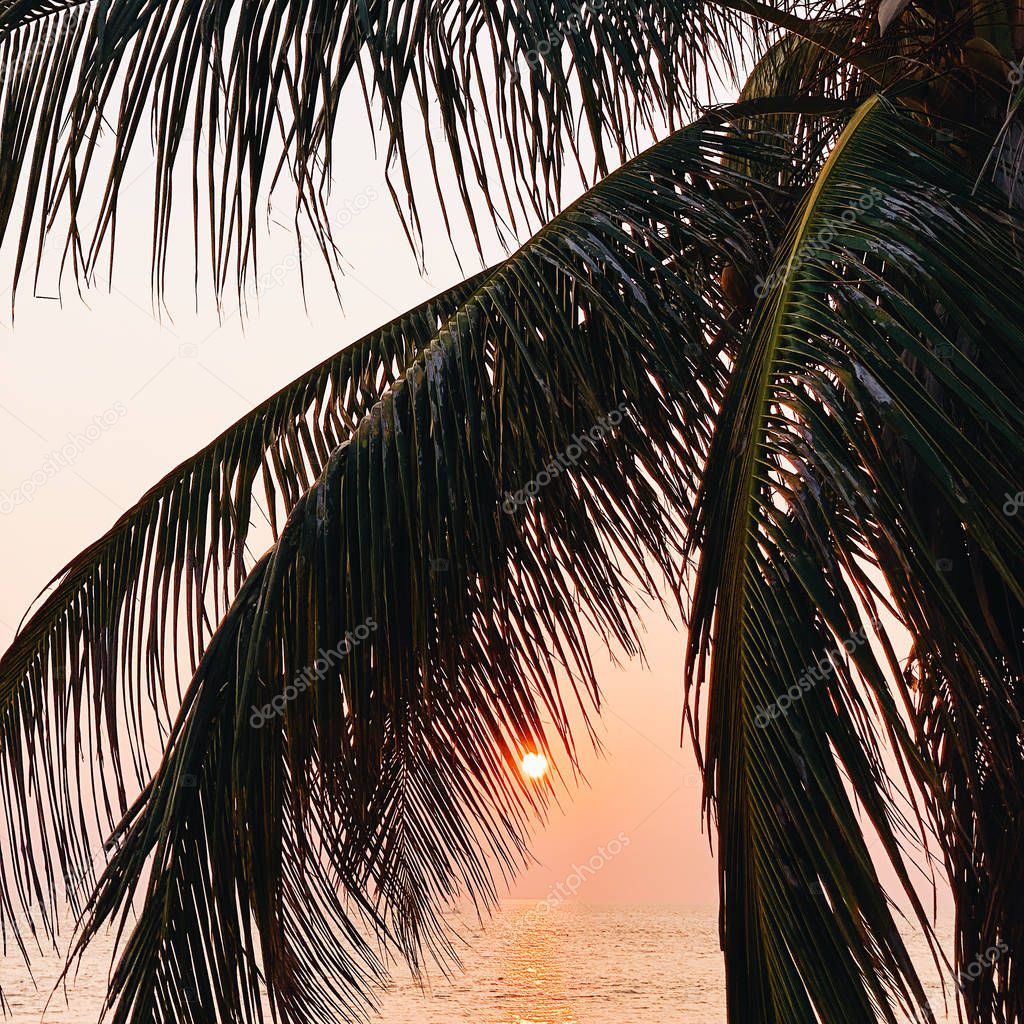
pixel 163 388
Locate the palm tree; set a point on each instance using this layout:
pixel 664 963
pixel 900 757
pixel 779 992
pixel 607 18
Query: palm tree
pixel 804 305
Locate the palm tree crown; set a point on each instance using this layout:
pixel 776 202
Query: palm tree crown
pixel 804 307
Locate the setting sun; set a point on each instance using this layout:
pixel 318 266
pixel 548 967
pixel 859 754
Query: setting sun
pixel 535 766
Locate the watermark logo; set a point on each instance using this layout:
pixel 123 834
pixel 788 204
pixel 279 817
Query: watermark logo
pixel 49 38
pixel 574 881
pixel 811 676
pixel 61 458
pixel 323 663
pixel 972 972
pixel 823 238
pixel 974 969
pixel 273 277
pixel 560 31
pixel 563 460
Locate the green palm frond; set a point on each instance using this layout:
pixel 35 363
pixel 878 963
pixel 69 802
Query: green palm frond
pixel 796 65
pixel 450 523
pixel 865 432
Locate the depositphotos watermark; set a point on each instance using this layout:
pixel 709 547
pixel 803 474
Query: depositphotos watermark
pixel 575 880
pixel 812 675
pixel 61 458
pixel 49 37
pixel 561 30
pixel 973 971
pixel 276 275
pixel 823 237
pixel 563 460
pixel 312 673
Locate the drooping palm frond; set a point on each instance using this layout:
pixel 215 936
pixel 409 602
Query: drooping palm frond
pixel 865 433
pixel 545 445
pixel 241 94
pixel 96 667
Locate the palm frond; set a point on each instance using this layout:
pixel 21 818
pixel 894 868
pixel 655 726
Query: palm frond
pixel 864 435
pixel 245 94
pixel 485 511
pixel 96 667
pixel 796 65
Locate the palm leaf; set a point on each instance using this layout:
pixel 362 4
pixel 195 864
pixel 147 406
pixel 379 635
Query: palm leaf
pixel 89 669
pixel 394 779
pixel 246 94
pixel 869 357
pixel 795 65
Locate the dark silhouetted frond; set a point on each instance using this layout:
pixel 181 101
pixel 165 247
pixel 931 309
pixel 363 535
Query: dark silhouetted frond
pixel 236 96
pixel 96 667
pixel 439 577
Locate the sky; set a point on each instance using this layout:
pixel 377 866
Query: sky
pixel 134 393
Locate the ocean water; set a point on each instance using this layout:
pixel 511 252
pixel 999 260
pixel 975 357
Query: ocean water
pixel 578 963
pixel 575 963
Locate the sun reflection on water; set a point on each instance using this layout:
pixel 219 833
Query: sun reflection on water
pixel 534 978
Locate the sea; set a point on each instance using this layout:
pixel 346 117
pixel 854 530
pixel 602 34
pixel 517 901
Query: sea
pixel 572 963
